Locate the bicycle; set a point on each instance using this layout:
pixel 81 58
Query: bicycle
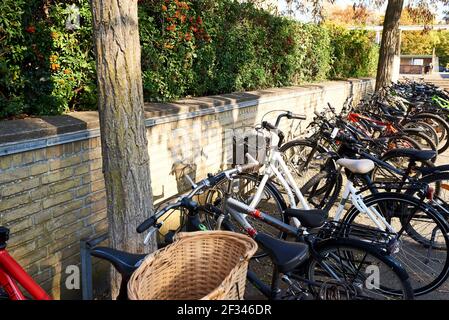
pixel 13 276
pixel 317 255
pixel 374 214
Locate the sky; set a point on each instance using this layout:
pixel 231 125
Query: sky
pixel 343 3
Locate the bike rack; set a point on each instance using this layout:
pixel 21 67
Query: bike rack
pixel 86 246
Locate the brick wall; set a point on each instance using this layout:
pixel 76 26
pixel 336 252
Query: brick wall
pixel 53 196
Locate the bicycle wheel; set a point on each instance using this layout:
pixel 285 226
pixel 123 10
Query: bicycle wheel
pixel 243 188
pixel 323 189
pixel 402 141
pixel 424 141
pixel 428 130
pixel 382 174
pixel 304 159
pixel 425 258
pixel 347 269
pixel 440 126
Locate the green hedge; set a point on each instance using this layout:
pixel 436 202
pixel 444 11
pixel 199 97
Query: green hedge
pixel 355 53
pixel 188 48
pixel 44 68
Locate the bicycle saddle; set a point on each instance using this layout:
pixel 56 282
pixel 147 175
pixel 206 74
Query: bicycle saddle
pixel 309 218
pixel 419 155
pixel 125 263
pixel 359 166
pixel 285 255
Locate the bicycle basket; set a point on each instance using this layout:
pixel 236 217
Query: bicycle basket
pixel 250 141
pixel 206 265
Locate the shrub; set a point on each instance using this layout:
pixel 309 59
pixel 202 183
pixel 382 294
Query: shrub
pixel 45 68
pixel 354 51
pixel 189 48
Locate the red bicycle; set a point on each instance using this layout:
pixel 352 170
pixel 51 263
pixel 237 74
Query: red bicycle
pixel 398 136
pixel 12 275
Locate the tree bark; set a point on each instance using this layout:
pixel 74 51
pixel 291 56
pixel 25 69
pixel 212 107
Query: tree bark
pixel 123 133
pixel 390 44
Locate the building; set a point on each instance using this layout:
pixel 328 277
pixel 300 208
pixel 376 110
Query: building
pixel 418 64
pixel 408 64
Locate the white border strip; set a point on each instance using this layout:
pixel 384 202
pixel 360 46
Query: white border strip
pixel 39 143
pixel 44 142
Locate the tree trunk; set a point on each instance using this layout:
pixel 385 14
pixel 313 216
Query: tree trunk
pixel 123 133
pixel 390 44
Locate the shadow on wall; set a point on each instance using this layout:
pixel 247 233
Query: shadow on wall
pixel 192 147
pixel 192 144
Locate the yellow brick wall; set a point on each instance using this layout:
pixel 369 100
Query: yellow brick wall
pixel 51 198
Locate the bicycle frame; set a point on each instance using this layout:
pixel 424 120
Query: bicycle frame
pixel 12 273
pixel 235 209
pixel 357 201
pixel 275 165
pixel 357 118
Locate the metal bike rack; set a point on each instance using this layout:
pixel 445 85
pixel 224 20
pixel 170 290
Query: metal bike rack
pixel 86 246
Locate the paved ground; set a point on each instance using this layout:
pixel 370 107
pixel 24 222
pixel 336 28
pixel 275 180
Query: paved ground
pixel 440 79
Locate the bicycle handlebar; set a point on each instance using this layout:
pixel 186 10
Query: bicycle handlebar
pixel 186 201
pixel 291 115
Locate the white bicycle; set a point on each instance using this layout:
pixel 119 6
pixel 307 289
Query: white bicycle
pixel 275 168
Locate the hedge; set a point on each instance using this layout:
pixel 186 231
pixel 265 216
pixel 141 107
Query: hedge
pixel 189 48
pixel 355 54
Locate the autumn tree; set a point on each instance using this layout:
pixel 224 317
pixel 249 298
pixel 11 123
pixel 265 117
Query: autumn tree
pixel 123 133
pixel 390 44
pixel 351 15
pixel 419 42
pixel 419 15
pixel 442 48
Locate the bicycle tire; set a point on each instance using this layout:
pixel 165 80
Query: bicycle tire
pixel 388 157
pixel 428 130
pixel 389 198
pixel 298 172
pixel 443 126
pixel 422 136
pixel 343 245
pixel 329 193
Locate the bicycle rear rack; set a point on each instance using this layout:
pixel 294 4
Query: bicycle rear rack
pixel 337 229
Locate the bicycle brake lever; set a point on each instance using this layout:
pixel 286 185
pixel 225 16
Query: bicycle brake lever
pixel 150 233
pixel 189 179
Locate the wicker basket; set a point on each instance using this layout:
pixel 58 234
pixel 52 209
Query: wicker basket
pixel 207 265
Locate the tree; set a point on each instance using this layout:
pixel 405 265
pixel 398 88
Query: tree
pixel 419 42
pixel 390 44
pixel 351 15
pixel 123 133
pixel 418 15
pixel 442 48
